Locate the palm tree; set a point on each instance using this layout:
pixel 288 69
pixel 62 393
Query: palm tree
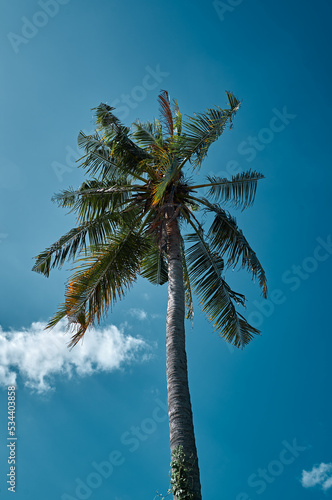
pixel 133 219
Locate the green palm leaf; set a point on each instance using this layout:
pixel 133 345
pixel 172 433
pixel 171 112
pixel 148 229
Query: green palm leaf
pixel 216 297
pixel 118 134
pixel 95 197
pixel 233 101
pixel 154 265
pixel 105 159
pixel 105 118
pixel 227 238
pixel 169 173
pixel 187 285
pixel 98 160
pixel 68 246
pixel 145 135
pixel 240 191
pixel 203 130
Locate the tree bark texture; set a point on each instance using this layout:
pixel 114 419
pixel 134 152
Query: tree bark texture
pixel 179 405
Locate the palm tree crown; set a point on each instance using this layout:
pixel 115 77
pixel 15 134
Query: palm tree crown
pixel 138 185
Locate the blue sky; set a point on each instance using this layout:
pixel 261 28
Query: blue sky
pixel 262 415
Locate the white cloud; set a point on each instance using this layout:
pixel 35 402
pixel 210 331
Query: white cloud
pixel 327 484
pixel 138 313
pixel 38 355
pixel 320 475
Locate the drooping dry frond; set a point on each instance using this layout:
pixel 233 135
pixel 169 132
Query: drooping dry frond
pixel 101 279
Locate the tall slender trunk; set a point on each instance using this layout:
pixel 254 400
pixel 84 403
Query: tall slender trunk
pixel 179 405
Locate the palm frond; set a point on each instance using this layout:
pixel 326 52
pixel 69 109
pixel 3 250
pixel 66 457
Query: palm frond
pixel 113 129
pixel 102 278
pixel 154 265
pixel 145 135
pixel 227 238
pixel 68 246
pixel 117 155
pixel 203 129
pixel 166 112
pixel 187 287
pixel 216 297
pixel 177 118
pixel 106 119
pixel 233 102
pixel 240 191
pixel 95 197
pixel 98 159
pixel 169 173
pixel 66 198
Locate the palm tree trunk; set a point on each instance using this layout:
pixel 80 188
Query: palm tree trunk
pixel 179 405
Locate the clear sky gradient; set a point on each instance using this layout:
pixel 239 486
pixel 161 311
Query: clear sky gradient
pixel 91 422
